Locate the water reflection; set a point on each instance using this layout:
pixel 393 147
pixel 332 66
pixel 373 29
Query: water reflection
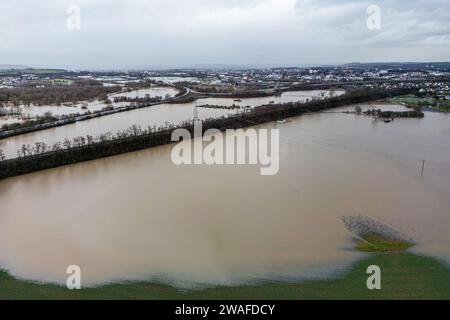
pixel 157 116
pixel 139 217
pixel 95 105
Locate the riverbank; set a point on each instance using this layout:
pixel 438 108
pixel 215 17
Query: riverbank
pixel 85 149
pixel 412 101
pixel 183 96
pixel 29 128
pixel 404 276
pixel 52 122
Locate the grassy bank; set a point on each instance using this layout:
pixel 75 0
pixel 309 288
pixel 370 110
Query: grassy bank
pixel 404 276
pixel 442 105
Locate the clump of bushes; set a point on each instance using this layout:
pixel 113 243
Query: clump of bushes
pixel 373 236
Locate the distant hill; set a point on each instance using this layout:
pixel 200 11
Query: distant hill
pixel 5 71
pixel 219 66
pixel 402 65
pixel 12 67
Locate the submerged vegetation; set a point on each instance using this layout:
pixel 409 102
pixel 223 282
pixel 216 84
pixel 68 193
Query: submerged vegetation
pixel 373 236
pixel 380 244
pixel 44 94
pixel 233 107
pixel 395 114
pixel 42 156
pixel 48 120
pixel 29 122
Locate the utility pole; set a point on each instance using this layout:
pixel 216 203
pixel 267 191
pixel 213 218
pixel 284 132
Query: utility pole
pixel 423 166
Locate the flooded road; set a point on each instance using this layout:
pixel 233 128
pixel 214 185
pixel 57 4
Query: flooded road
pixel 139 217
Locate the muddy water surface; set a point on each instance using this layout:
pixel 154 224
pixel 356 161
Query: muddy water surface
pixel 139 217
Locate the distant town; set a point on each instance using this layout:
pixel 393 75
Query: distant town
pixel 244 150
pixel 432 78
pixel 28 96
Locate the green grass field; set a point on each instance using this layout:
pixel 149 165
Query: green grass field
pixel 374 243
pixel 411 100
pixel 404 276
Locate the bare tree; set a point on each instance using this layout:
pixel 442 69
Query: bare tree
pixel 25 151
pixel 57 146
pixel 40 148
pixel 135 130
pixel 90 139
pixel 67 144
pixel 78 142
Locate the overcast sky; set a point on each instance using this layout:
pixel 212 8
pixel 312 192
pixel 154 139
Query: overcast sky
pixel 117 34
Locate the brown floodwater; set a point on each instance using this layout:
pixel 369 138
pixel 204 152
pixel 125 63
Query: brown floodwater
pixel 139 217
pixel 96 105
pixel 158 116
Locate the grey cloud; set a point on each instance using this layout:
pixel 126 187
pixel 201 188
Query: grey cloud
pixel 152 33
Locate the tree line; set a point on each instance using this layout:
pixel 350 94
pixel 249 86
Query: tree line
pixel 395 114
pixel 41 156
pixel 80 90
pixel 10 111
pixel 146 99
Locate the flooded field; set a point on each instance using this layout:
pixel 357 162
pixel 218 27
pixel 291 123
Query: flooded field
pixel 96 105
pixel 173 80
pixel 159 115
pixel 139 217
pixel 152 92
pixel 289 96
